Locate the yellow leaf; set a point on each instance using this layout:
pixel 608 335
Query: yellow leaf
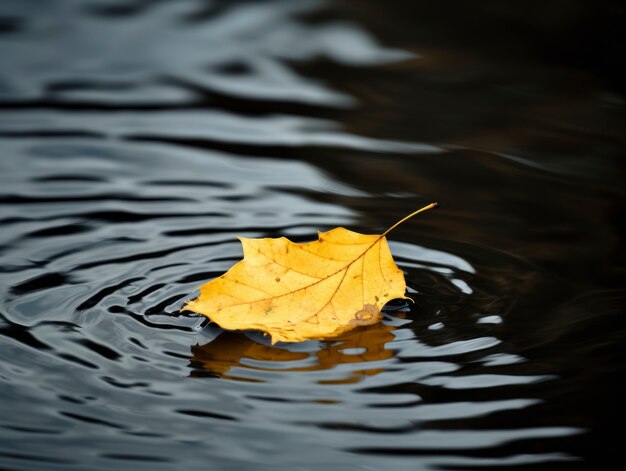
pixel 313 290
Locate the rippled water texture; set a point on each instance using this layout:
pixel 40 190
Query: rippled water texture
pixel 139 138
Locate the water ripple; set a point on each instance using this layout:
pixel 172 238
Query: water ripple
pixel 141 138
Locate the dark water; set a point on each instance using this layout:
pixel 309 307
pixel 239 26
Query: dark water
pixel 139 138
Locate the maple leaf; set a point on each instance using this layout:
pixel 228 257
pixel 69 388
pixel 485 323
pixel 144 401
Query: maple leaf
pixel 312 290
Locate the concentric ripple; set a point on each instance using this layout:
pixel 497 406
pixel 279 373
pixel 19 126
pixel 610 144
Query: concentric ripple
pixel 107 240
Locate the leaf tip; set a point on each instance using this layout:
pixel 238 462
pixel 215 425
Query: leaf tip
pixel 187 306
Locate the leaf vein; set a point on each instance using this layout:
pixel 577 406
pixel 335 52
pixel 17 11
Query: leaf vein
pixel 319 280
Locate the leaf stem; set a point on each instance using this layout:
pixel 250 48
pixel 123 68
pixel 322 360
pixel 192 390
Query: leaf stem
pixel 425 208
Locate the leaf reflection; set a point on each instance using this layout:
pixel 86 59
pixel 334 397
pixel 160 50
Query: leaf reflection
pixel 234 356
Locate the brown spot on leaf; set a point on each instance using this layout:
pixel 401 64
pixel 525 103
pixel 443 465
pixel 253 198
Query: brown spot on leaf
pixel 366 316
pixel 277 279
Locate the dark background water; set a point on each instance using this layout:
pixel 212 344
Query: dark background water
pixel 138 138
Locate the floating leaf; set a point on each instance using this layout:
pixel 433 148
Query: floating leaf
pixel 313 290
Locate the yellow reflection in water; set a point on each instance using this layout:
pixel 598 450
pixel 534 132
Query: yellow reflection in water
pixel 231 350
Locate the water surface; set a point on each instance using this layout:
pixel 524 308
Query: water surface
pixel 140 138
